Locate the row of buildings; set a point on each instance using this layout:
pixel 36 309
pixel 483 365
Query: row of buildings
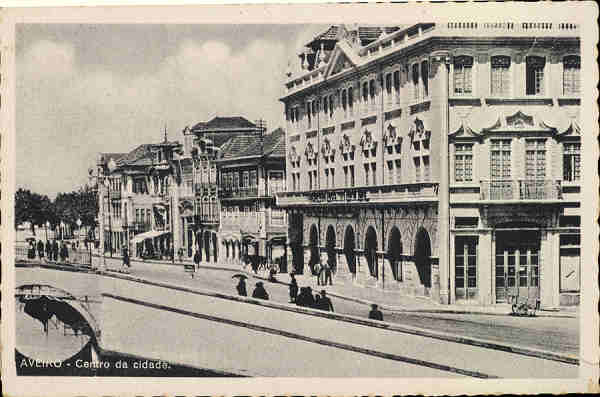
pixel 434 160
pixel 213 194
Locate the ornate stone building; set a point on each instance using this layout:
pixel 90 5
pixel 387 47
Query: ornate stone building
pixel 439 160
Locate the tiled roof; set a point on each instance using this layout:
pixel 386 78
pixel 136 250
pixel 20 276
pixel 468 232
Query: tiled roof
pixel 224 123
pixel 138 156
pixel 112 156
pixel 236 145
pixel 273 145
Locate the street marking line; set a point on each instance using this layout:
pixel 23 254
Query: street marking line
pixel 324 342
pixel 524 351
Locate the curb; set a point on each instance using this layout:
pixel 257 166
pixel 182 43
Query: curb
pixel 361 321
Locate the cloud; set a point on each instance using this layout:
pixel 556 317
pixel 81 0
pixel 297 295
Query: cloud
pixel 69 112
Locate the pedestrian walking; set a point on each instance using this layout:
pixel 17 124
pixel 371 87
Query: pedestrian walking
pixel 293 288
pixel 375 313
pixel 325 302
pixel 197 258
pixel 126 258
pixel 40 249
pixel 55 251
pixel 327 271
pixel 241 287
pixel 260 292
pixel 318 270
pixel 48 250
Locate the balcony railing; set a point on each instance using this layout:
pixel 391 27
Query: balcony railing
pixel 357 195
pixel 521 189
pixel 115 194
pixel 205 188
pixel 240 192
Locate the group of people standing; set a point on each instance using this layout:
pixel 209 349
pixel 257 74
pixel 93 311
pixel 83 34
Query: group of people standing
pixel 50 250
pixel 305 297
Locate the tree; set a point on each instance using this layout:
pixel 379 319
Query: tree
pixel 33 208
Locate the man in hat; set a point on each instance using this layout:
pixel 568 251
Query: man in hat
pixel 325 302
pixel 260 292
pixel 375 313
pixel 293 288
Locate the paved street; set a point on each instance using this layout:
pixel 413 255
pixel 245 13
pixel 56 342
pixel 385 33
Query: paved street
pixel 556 334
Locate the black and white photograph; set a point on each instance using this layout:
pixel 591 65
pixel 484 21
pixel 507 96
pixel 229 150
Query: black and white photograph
pixel 344 198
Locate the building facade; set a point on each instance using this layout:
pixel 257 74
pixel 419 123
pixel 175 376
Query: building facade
pixel 439 160
pixel 199 202
pixel 251 169
pixel 137 192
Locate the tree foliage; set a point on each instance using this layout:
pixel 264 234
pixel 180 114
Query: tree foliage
pixel 67 208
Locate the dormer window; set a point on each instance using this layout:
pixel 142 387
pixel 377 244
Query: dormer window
pixel 571 68
pixel 500 75
pixel 535 75
pixel 463 67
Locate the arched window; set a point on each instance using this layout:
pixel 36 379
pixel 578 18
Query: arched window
pixel 463 75
pixel 571 67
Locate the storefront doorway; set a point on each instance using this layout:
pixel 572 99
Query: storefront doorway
pixel 517 264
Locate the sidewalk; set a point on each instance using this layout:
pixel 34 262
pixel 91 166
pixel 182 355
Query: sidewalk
pixel 387 300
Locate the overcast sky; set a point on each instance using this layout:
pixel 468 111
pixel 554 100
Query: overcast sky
pixel 84 89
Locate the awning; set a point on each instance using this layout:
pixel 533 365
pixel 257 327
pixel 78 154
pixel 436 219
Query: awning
pixel 146 235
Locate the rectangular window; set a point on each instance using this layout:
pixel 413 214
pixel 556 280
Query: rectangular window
pixel 571 68
pixel 417 161
pixel 253 178
pixel 351 176
pixel 310 181
pixel 426 170
pixel 571 161
pixel 246 179
pixel 332 174
pixel 535 75
pixel 374 172
pixel 325 105
pixel 367 170
pixel 345 176
pixel 465 266
pixel 535 159
pixel 345 103
pixel 500 159
pixel 351 100
pixel 388 84
pixel 398 172
pixel 463 68
pixel 390 171
pixel 425 78
pixel 326 178
pixel 415 81
pixel 397 85
pixel 500 75
pixel 463 162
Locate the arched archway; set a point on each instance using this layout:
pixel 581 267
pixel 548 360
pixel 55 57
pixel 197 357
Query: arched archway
pixel 423 257
pixel 394 253
pixel 314 247
pixel 330 248
pixel 215 247
pixel 349 246
pixel 371 250
pixel 207 246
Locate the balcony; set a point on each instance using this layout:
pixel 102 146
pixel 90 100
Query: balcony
pixel 205 188
pixel 115 194
pixel 520 189
pixel 427 191
pixel 238 193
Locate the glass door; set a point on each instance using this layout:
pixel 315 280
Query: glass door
pixel 517 264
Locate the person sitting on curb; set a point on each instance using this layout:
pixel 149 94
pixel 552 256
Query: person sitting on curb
pixel 375 313
pixel 260 292
pixel 325 302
